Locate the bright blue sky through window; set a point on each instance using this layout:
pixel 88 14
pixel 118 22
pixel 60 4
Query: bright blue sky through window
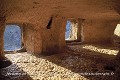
pixel 67 33
pixel 12 38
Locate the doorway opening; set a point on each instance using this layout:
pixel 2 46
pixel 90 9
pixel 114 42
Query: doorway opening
pixel 116 38
pixel 71 31
pixel 12 38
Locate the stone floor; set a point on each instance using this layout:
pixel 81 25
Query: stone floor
pixel 78 62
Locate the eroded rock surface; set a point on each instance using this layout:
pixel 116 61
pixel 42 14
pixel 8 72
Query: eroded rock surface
pixel 70 65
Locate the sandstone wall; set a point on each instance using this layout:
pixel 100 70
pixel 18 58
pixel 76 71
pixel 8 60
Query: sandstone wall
pixel 47 32
pixel 46 40
pixel 2 27
pixel 80 36
pixel 98 31
pixel 53 39
pixel 32 39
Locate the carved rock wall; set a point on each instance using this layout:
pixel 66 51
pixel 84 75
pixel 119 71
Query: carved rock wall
pixel 2 27
pixel 47 40
pixel 98 31
pixel 45 33
pixel 53 39
pixel 32 39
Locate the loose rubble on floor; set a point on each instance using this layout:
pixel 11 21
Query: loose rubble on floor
pixel 78 62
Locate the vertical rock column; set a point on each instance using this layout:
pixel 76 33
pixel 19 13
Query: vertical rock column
pixel 2 27
pixel 32 39
pixel 46 40
pixel 53 39
pixel 23 49
pixel 62 29
pixel 3 60
pixel 80 36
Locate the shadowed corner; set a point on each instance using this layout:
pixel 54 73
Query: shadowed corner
pixel 5 63
pixel 13 72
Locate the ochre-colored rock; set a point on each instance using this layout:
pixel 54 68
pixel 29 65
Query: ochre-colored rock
pixel 98 31
pixel 2 27
pixel 43 22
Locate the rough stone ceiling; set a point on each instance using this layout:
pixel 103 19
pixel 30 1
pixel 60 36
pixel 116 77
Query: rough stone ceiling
pixel 40 10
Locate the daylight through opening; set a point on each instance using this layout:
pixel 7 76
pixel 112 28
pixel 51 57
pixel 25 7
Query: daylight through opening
pixel 71 31
pixel 116 38
pixel 12 38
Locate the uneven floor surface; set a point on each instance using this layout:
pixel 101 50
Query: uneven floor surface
pixel 78 62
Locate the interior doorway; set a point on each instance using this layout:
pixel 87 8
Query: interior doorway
pixel 71 31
